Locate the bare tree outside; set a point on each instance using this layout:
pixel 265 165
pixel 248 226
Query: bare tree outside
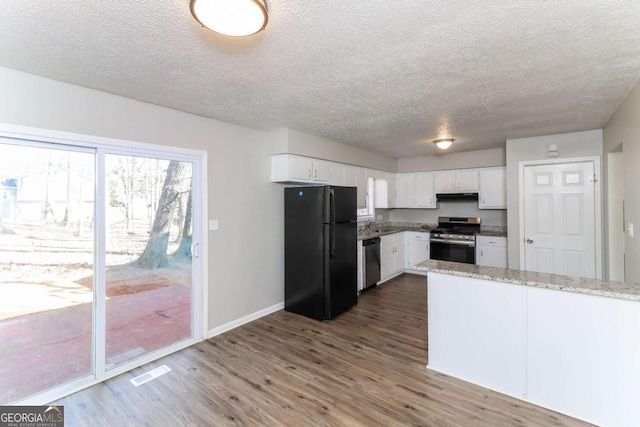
pixel 155 253
pixel 184 248
pixel 47 251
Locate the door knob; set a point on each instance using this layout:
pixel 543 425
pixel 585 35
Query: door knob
pixel 529 241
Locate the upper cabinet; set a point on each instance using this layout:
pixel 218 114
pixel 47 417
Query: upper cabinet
pixel 415 190
pixel 357 177
pixel 290 168
pixel 391 190
pixel 493 189
pixel 456 181
pixel 385 191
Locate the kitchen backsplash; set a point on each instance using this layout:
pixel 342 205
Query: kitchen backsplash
pixel 430 216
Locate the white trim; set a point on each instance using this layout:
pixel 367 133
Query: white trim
pixel 204 245
pixel 597 200
pixel 245 319
pixel 100 270
pixel 102 146
pixel 72 139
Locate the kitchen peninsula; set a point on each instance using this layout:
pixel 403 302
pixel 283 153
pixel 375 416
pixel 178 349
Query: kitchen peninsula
pixel 568 344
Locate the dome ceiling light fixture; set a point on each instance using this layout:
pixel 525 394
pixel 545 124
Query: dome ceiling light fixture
pixel 231 17
pixel 444 143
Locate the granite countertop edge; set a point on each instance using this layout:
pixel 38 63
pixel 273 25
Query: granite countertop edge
pixel 386 231
pixel 424 229
pixel 618 290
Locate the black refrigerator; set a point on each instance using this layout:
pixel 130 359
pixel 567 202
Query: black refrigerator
pixel 320 237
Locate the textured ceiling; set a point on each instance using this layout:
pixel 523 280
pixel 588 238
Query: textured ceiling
pixel 383 75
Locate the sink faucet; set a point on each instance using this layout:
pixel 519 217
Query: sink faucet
pixel 368 226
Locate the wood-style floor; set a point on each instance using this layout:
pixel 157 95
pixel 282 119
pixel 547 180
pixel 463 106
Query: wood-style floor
pixel 365 368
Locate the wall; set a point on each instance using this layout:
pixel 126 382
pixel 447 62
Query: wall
pixel 295 142
pixel 615 229
pixel 575 144
pixel 624 128
pixel 430 216
pixel 467 159
pixel 246 267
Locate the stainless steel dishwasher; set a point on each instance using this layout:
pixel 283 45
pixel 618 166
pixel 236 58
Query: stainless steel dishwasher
pixel 371 270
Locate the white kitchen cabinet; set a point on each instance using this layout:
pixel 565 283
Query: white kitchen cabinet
pixel 387 260
pixel 493 189
pixel 456 181
pixel 392 255
pixel 491 251
pixel 445 181
pixel 357 177
pixel 425 196
pixel 417 248
pixel 290 168
pixel 405 190
pixel 415 190
pixel 400 260
pixel 385 191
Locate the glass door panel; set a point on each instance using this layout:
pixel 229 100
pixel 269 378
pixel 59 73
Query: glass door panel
pixel 148 255
pixel 46 268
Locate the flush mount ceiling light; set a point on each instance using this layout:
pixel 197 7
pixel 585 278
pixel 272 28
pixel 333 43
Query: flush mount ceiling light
pixel 444 143
pixel 231 17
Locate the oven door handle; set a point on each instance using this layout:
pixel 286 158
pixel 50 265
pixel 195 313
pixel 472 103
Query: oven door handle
pixel 453 242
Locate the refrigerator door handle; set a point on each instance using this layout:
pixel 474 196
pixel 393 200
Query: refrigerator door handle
pixel 332 204
pixel 332 220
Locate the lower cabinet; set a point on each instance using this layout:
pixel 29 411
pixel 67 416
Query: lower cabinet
pixel 417 248
pixel 392 255
pixel 491 251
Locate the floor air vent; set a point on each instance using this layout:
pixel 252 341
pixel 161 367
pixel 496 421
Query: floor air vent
pixel 148 376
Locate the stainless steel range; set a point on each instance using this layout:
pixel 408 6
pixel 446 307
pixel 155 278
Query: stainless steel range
pixel 455 239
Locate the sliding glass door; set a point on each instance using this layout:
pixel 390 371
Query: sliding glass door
pixel 148 257
pixel 46 267
pixel 96 264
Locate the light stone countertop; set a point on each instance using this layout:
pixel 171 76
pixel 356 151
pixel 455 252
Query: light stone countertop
pixel 387 229
pixel 619 290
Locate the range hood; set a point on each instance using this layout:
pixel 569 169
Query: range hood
pixel 442 197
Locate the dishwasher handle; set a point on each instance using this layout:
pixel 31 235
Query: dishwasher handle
pixel 372 241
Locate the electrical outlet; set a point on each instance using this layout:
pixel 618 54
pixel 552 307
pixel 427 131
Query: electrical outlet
pixel 630 229
pixel 213 224
pixel 380 217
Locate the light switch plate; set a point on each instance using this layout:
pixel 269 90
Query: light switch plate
pixel 630 229
pixel 213 224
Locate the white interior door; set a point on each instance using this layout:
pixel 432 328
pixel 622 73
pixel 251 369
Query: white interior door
pixel 559 219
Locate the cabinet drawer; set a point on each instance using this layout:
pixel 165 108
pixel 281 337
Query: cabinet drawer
pixel 491 241
pixel 417 235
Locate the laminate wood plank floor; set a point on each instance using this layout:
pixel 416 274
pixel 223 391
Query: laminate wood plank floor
pixel 365 368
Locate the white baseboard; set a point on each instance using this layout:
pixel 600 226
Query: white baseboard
pixel 246 319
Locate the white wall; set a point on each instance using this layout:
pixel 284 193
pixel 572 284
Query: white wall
pixel 467 159
pixel 615 229
pixel 292 141
pixel 466 208
pixel 246 266
pixel 624 128
pixel 575 144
